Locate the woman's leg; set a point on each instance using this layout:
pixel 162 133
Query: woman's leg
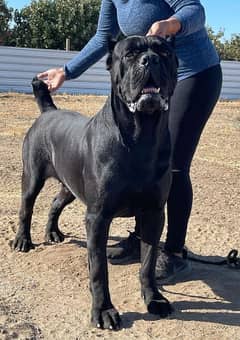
pixel 191 105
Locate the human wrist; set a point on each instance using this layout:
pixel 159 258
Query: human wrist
pixel 61 72
pixel 67 75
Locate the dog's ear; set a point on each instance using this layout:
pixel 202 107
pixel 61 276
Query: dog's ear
pixel 171 40
pixel 111 44
pixel 109 61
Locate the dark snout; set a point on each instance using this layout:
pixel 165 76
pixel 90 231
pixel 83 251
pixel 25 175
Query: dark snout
pixel 149 59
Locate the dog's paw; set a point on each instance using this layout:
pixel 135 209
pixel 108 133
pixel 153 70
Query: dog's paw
pixel 55 236
pixel 22 244
pixel 106 319
pixel 161 307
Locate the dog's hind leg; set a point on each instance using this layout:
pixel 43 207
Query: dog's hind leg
pixel 151 225
pixel 32 183
pixel 53 234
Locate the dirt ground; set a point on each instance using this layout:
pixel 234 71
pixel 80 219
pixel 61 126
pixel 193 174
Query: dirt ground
pixel 44 294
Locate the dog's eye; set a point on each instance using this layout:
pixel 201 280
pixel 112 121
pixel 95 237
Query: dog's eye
pixel 130 55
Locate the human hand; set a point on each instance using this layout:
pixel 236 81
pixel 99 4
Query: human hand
pixel 164 28
pixel 54 78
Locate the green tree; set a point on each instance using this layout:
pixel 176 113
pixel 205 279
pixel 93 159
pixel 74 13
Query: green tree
pixel 5 19
pixel 217 39
pixel 47 23
pixel 77 20
pixel 232 48
pixel 35 25
pixel 227 49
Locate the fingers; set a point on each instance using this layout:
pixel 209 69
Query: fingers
pixel 52 86
pixel 158 32
pixel 159 28
pixel 164 28
pixel 42 75
pixel 154 32
pixel 54 78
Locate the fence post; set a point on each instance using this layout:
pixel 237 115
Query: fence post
pixel 68 43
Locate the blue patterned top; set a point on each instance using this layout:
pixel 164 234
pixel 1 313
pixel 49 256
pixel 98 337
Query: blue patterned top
pixel 193 47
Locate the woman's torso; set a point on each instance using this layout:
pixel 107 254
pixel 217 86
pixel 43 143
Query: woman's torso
pixel 194 51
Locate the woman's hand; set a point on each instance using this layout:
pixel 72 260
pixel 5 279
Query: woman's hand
pixel 165 28
pixel 54 78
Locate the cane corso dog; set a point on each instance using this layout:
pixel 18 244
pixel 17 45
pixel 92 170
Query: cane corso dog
pixel 117 163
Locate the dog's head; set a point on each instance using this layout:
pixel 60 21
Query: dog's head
pixel 143 72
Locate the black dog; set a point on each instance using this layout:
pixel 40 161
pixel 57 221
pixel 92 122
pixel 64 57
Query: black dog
pixel 116 162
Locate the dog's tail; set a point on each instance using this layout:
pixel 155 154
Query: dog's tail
pixel 42 95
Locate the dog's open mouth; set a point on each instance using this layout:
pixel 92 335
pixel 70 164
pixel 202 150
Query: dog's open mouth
pixel 149 100
pixel 150 90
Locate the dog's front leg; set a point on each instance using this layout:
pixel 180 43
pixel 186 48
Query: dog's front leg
pixel 151 225
pixel 104 315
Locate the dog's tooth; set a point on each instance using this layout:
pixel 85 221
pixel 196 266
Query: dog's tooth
pixel 150 90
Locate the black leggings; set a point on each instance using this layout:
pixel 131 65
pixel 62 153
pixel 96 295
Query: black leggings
pixel 191 105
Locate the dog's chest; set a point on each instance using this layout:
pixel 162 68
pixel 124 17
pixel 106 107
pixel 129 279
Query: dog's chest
pixel 141 190
pixel 138 172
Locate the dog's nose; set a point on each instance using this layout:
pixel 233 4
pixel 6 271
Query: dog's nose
pixel 148 59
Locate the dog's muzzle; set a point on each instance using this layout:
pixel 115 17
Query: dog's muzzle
pixel 149 101
pixel 150 98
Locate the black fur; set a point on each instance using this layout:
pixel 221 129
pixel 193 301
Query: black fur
pixel 116 162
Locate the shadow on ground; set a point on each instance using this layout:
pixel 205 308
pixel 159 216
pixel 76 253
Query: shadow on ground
pixel 223 281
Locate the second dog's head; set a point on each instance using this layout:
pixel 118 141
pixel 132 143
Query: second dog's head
pixel 143 72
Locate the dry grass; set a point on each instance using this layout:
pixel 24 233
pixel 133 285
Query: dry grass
pixel 44 294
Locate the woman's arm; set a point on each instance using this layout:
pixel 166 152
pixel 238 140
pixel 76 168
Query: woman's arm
pixel 91 53
pixel 189 13
pixel 96 48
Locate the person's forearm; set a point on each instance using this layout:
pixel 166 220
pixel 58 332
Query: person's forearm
pixel 88 56
pixel 98 45
pixel 190 13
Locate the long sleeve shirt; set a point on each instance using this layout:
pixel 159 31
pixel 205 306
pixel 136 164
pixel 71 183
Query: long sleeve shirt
pixel 193 47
